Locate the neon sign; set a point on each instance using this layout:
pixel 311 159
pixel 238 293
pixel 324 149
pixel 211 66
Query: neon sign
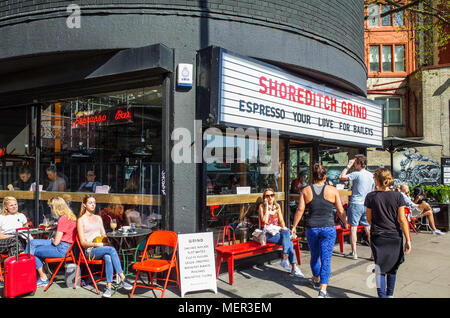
pixel 3 152
pixel 114 116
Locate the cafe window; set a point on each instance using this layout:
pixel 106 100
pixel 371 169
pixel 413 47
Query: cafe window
pixel 108 144
pixel 239 165
pixel 335 159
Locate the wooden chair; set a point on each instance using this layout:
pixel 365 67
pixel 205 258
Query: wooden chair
pixel 157 265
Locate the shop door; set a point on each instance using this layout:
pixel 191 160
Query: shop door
pixel 299 172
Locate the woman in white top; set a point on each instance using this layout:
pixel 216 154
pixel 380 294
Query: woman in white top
pixel 10 220
pixel 90 227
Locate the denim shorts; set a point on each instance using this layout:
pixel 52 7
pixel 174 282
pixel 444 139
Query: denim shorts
pixel 356 214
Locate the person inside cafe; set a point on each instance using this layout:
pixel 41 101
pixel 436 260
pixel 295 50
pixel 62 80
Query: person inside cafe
pixel 10 220
pixel 298 183
pixel 270 214
pixel 132 215
pixel 23 183
pixel 114 211
pixel 58 245
pixel 93 239
pixel 319 200
pixel 56 180
pixel 90 184
pixel 419 207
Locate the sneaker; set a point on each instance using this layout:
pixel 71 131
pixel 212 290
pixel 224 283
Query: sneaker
pixel 285 264
pixel 438 232
pixel 126 285
pixel 351 255
pixel 107 293
pixel 390 296
pixel 42 283
pixel 322 294
pixel 297 272
pixel 315 285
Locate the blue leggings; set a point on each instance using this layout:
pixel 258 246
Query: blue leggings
pixel 321 243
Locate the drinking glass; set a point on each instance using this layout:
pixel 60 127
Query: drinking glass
pixel 113 225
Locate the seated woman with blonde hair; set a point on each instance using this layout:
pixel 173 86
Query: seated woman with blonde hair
pixel 66 232
pixel 10 220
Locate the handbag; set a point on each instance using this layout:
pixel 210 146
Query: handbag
pixel 69 275
pixel 259 236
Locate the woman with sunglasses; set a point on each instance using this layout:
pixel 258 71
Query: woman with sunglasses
pixel 270 214
pixel 66 231
pixel 90 227
pixel 318 200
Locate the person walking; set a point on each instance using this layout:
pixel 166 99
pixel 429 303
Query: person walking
pixel 386 214
pixel 319 200
pixel 270 214
pixel 356 213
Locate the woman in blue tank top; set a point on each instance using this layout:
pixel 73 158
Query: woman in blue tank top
pixel 319 200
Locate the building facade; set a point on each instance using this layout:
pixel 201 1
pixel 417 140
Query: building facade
pixel 415 107
pixel 95 87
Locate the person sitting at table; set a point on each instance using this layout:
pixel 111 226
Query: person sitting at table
pixel 90 184
pixel 419 207
pixel 270 214
pixel 113 211
pixel 66 232
pixel 298 183
pixel 10 220
pixel 57 182
pixel 23 184
pixel 90 227
pixel 132 215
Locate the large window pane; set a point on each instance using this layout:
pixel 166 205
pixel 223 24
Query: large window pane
pixel 106 143
pixel 387 58
pixel 399 18
pixel 399 58
pixel 374 58
pixel 392 110
pixel 374 15
pixel 386 20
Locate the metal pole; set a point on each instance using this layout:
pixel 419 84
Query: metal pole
pixel 37 162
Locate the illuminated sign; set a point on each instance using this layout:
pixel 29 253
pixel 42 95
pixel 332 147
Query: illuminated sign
pixel 3 152
pixel 113 116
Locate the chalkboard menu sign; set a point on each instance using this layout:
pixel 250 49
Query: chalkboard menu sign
pixel 445 164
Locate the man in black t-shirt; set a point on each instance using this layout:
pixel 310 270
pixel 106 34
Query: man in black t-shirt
pixel 23 184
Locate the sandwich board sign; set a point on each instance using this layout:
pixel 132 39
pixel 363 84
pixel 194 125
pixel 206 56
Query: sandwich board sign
pixel 197 264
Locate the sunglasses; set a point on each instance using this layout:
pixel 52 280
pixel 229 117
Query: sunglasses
pixel 270 195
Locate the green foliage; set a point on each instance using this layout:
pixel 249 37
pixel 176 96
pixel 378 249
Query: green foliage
pixel 440 193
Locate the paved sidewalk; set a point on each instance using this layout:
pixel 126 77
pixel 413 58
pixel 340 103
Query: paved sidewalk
pixel 425 274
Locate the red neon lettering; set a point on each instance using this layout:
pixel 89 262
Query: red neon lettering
pixel 122 115
pixel 2 152
pixel 89 119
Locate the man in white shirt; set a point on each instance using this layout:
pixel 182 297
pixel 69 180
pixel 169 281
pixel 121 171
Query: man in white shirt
pixel 419 210
pixel 356 212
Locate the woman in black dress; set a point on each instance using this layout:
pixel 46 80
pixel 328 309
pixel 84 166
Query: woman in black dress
pixel 386 216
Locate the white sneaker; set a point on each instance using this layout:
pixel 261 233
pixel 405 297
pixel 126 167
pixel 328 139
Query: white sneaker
pixel 438 232
pixel 297 272
pixel 351 255
pixel 285 264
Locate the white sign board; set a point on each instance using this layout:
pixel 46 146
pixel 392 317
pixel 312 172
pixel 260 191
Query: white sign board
pixel 254 94
pixel 185 75
pixel 197 264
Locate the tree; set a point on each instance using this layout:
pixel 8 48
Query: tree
pixel 429 22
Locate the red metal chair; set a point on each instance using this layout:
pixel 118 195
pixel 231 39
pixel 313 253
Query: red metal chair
pixel 86 262
pixel 410 219
pixel 226 232
pixel 157 265
pixel 69 257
